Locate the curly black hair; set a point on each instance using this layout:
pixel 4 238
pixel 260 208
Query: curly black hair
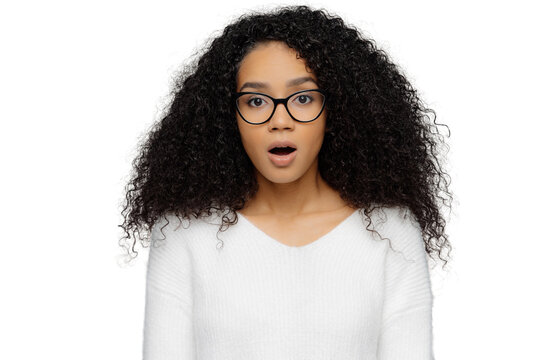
pixel 380 148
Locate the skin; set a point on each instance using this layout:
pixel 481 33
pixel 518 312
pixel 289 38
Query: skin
pixel 291 200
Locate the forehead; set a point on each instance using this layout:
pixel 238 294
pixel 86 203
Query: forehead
pixel 274 63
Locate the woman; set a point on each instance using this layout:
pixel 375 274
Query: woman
pixel 297 131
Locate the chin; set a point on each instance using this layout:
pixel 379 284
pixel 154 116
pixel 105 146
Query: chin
pixel 283 175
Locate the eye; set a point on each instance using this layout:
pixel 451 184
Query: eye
pixel 303 99
pixel 257 101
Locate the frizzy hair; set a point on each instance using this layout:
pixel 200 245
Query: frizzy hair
pixel 380 148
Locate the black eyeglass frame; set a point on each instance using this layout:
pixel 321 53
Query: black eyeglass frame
pixel 276 102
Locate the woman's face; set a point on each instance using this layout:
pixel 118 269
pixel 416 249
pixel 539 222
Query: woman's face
pixel 275 64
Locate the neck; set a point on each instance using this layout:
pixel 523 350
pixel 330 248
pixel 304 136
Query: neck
pixel 308 194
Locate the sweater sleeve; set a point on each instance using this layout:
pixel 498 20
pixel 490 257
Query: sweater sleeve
pixel 168 329
pixel 406 332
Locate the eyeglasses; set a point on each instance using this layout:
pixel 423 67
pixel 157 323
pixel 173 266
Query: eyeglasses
pixel 257 108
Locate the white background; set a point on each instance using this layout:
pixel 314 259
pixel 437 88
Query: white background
pixel 81 82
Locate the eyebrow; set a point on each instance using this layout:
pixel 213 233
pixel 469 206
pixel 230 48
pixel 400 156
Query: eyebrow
pixel 263 85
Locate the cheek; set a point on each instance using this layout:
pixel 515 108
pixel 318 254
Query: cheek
pixel 316 136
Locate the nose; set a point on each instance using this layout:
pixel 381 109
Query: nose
pixel 281 117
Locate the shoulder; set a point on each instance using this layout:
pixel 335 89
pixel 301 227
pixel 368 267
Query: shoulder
pixel 170 260
pixel 395 217
pixel 400 227
pixel 183 232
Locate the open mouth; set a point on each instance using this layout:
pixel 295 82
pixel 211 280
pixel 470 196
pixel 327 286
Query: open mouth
pixel 282 150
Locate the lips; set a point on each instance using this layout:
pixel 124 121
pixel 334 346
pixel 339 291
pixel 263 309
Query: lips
pixel 281 159
pixel 282 152
pixel 282 144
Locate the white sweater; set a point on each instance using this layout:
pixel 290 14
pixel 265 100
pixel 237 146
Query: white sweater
pixel 345 296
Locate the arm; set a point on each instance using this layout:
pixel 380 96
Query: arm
pixel 168 329
pixel 406 331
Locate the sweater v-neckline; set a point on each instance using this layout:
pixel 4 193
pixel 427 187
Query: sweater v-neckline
pixel 316 242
